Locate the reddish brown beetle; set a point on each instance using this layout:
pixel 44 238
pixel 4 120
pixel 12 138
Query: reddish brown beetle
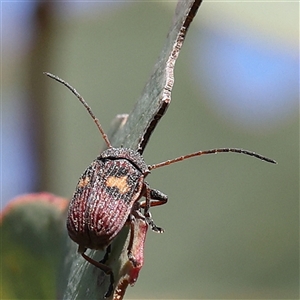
pixel 108 193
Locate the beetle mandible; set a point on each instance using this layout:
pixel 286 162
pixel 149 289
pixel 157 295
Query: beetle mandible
pixel 108 193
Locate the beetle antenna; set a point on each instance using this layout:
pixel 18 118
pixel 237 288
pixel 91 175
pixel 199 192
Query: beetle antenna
pixel 80 98
pixel 211 151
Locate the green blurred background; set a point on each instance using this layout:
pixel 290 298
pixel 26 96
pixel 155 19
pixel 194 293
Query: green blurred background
pixel 232 222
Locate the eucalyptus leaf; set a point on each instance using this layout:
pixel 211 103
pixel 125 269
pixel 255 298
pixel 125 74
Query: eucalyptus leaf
pixel 85 281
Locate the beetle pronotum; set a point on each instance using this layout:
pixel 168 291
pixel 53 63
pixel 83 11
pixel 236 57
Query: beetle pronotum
pixel 108 193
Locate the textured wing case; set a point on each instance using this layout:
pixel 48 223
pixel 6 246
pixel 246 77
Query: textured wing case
pixel 102 202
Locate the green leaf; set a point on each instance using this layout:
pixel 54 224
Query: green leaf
pixel 39 260
pixel 84 280
pixel 32 246
pixel 156 95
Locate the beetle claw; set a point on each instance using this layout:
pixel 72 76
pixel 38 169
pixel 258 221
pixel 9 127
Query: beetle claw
pixel 157 229
pixel 151 223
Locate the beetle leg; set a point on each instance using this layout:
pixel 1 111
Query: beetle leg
pixel 106 255
pixel 153 198
pixel 106 269
pixel 159 197
pixel 156 198
pixel 151 223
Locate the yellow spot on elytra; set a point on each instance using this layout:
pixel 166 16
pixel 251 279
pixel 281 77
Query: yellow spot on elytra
pixel 83 182
pixel 119 182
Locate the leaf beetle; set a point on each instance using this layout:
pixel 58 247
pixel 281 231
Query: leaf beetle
pixel 108 194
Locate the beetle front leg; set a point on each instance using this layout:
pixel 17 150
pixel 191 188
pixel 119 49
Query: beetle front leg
pixel 151 223
pixel 153 198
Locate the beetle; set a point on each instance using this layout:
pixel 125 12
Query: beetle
pixel 108 195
